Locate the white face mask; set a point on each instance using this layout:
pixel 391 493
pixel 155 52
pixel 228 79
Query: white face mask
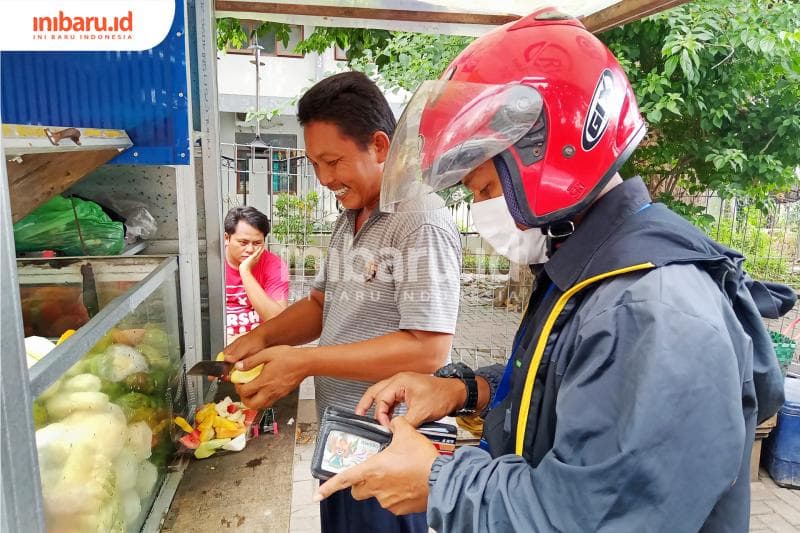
pixel 493 221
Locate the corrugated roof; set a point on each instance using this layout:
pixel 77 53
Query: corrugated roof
pixel 457 17
pixel 138 92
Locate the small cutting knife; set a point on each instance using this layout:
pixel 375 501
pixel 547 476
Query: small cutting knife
pixel 217 369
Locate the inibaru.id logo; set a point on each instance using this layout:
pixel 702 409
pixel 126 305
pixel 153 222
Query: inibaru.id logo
pixel 63 26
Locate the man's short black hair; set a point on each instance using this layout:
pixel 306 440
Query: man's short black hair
pixel 248 215
pixel 353 102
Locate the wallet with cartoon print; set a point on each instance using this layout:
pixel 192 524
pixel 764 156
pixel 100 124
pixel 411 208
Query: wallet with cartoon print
pixel 346 439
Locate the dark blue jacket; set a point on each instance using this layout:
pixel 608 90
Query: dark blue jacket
pixel 643 367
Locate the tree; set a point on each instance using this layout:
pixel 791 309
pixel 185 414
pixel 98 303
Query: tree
pixel 408 59
pixel 354 41
pixel 231 33
pixel 403 59
pixel 719 84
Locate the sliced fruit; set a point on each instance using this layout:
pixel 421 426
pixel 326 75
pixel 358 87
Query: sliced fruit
pixel 221 407
pixel 236 445
pixel 229 433
pixel 64 336
pixel 206 411
pixel 39 415
pixel 207 422
pixel 183 424
pixel 206 434
pixel 192 440
pixel 242 376
pixel 207 449
pixel 37 347
pixel 249 416
pixel 246 376
pixel 222 423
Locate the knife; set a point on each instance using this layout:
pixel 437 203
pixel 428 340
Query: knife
pixel 217 369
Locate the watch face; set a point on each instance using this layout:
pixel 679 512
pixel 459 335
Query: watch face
pixel 447 371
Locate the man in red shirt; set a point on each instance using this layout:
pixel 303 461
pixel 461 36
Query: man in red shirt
pixel 256 281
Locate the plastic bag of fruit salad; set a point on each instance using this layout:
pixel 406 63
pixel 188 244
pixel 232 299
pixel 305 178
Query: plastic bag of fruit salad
pixel 217 426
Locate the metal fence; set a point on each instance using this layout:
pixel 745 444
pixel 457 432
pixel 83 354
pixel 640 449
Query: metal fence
pixel 261 176
pixel 281 183
pixel 769 238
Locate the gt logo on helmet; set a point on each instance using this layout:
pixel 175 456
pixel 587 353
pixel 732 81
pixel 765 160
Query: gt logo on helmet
pixel 597 117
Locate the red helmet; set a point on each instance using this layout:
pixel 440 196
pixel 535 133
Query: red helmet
pixel 543 97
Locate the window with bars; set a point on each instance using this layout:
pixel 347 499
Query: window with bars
pixel 270 44
pixel 284 159
pixel 339 54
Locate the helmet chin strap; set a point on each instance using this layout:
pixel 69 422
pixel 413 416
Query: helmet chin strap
pixel 557 233
pixel 506 181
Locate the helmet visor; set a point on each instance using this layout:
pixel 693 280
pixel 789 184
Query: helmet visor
pixel 447 130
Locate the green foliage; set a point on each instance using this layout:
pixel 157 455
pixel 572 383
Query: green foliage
pixel 282 32
pixel 309 262
pixel 356 42
pixel 408 59
pixel 294 219
pixel 403 60
pixel 719 84
pixel 718 81
pixel 252 116
pixel 745 232
pixel 696 214
pixel 477 263
pixel 231 33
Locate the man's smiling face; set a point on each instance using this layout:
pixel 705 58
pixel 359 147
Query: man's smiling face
pixel 351 171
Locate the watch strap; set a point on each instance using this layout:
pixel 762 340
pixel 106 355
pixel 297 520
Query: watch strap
pixel 467 376
pixel 472 396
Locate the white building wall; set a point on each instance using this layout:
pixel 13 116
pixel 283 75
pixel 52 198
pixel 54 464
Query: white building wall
pixel 280 76
pixel 283 81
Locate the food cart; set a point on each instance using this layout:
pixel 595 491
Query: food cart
pixel 88 442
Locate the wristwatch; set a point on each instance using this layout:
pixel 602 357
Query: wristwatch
pixel 467 376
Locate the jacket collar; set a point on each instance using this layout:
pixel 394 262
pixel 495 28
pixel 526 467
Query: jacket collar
pixel 600 223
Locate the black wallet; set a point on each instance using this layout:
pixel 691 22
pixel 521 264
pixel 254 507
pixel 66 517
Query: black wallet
pixel 346 439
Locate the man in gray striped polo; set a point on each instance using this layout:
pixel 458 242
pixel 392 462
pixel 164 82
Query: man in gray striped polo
pixel 386 299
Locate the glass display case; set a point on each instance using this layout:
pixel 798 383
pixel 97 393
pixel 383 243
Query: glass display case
pixel 106 395
pixel 64 293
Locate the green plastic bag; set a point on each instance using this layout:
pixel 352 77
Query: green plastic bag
pixel 52 227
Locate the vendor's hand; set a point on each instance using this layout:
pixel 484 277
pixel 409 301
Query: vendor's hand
pixel 427 398
pixel 244 346
pixel 284 369
pixel 397 477
pixel 247 265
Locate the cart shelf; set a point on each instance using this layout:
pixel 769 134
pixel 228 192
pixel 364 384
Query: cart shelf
pixel 44 161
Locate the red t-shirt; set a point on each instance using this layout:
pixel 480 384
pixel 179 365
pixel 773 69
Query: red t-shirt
pixel 271 273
